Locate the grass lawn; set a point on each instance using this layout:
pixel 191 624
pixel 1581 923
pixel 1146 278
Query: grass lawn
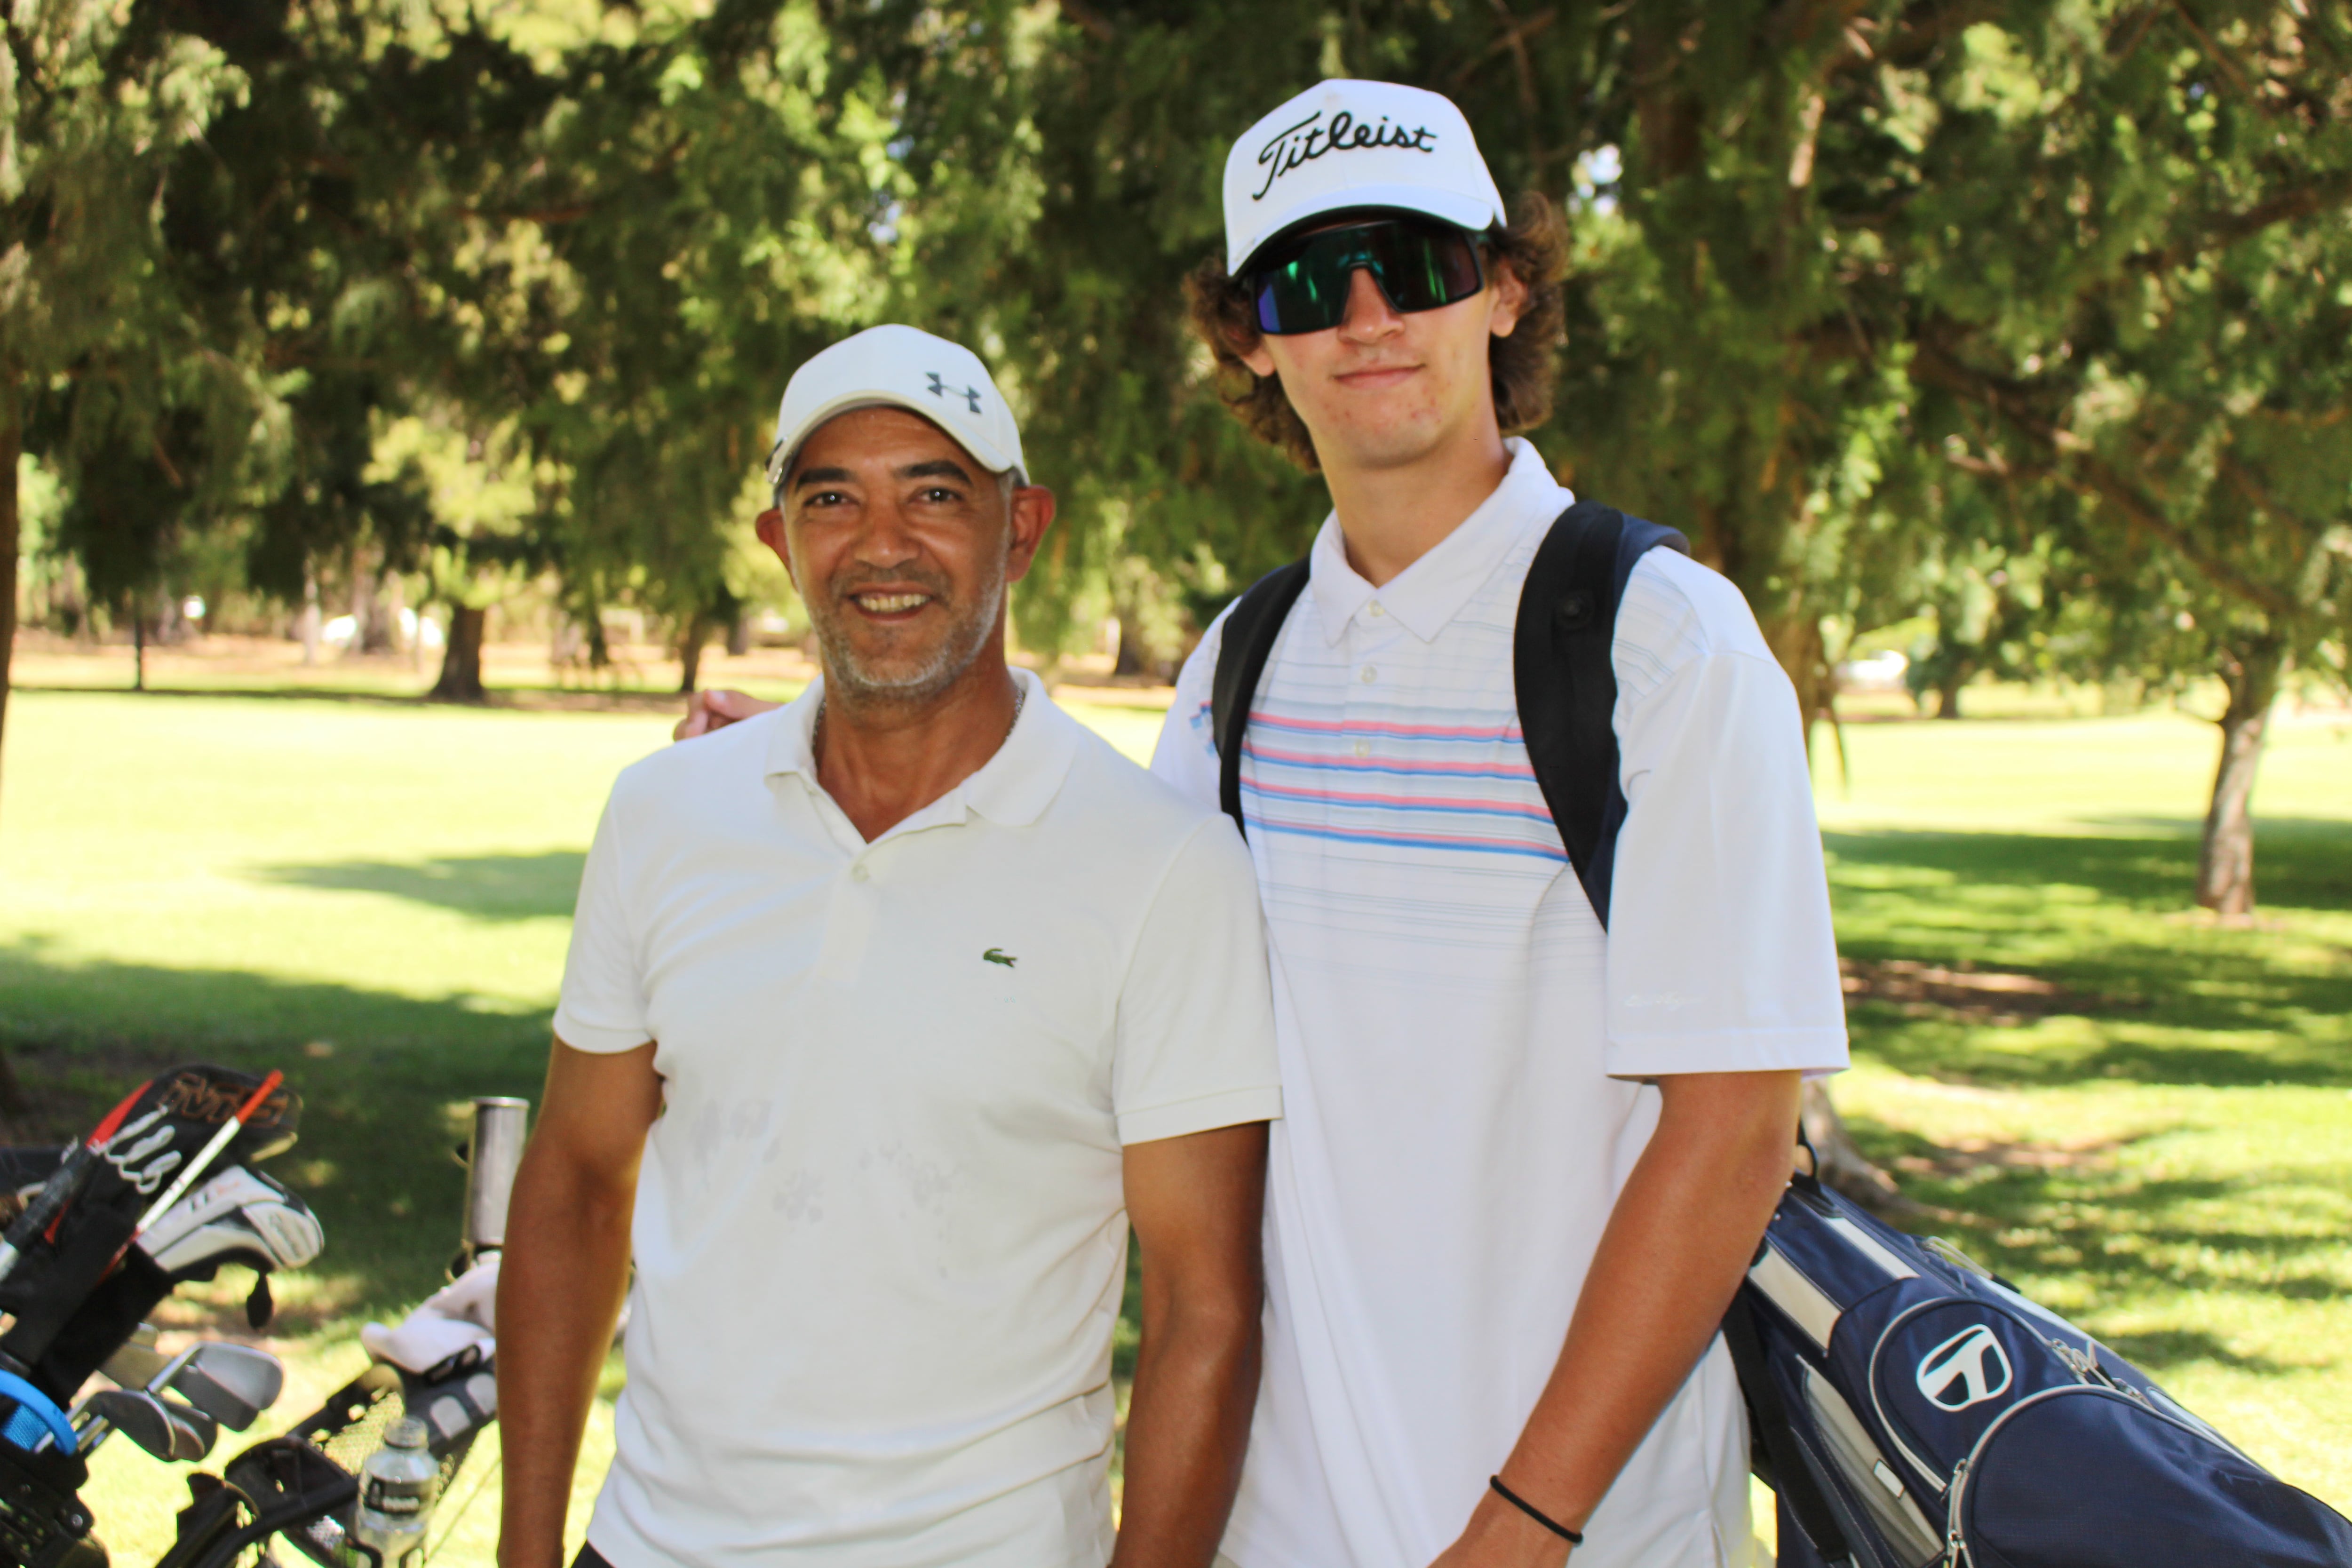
pixel 2140 1116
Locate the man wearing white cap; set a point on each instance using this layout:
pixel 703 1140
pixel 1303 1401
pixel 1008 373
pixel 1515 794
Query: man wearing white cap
pixel 1523 1159
pixel 886 1013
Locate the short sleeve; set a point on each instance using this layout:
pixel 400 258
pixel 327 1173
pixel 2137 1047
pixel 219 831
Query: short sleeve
pixel 1186 757
pixel 1195 1045
pixel 603 1005
pixel 1721 954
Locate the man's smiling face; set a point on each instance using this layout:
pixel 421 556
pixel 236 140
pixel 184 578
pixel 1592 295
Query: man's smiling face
pixel 1384 388
pixel 901 545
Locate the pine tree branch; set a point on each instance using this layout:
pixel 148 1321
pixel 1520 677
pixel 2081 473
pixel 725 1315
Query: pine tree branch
pixel 1088 20
pixel 1514 38
pixel 2075 464
pixel 2087 473
pixel 2305 201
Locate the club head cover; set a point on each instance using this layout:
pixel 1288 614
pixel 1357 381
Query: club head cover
pixel 239 1215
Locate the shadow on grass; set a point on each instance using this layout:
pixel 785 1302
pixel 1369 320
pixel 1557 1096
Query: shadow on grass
pixel 2301 863
pixel 2120 1235
pixel 2157 992
pixel 377 1073
pixel 487 887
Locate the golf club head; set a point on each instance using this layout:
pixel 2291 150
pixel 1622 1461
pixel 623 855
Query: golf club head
pixel 136 1364
pixel 232 1383
pixel 192 1433
pixel 137 1415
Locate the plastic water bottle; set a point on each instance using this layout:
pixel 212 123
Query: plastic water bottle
pixel 398 1486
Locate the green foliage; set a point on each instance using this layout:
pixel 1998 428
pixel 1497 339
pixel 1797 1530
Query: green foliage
pixel 2143 308
pixel 2026 315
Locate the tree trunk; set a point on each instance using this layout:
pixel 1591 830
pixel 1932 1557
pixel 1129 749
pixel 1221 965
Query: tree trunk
pixel 1948 694
pixel 138 645
pixel 689 653
pixel 375 625
pixel 306 625
pixel 1796 643
pixel 1129 659
pixel 393 598
pixel 11 1095
pixel 1795 639
pixel 1838 1161
pixel 11 438
pixel 2225 865
pixel 461 662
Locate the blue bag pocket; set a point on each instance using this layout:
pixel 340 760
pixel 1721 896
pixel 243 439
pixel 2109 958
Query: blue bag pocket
pixel 2090 1477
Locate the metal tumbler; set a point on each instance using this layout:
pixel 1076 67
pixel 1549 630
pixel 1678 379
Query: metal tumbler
pixel 499 1126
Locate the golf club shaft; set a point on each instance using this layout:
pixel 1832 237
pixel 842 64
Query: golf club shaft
pixel 63 1184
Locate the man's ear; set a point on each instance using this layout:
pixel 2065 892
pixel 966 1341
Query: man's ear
pixel 1032 508
pixel 770 526
pixel 1510 301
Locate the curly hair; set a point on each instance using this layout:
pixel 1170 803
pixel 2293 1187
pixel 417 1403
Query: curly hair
pixel 1534 246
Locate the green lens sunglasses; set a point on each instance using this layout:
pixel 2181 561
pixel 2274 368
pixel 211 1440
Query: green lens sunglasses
pixel 1418 266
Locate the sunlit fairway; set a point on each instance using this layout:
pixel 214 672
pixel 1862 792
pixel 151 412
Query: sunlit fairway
pixel 2143 1118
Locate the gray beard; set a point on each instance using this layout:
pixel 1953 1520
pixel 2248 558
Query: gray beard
pixel 847 679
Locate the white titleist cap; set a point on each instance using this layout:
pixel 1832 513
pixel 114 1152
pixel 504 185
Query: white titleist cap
pixel 1343 145
pixel 903 368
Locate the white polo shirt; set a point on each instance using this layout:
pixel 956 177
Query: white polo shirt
pixel 880 1233
pixel 1462 1043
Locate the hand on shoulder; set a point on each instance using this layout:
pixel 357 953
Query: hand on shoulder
pixel 714 710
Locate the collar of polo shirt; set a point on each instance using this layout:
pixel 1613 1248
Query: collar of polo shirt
pixel 1426 595
pixel 1012 789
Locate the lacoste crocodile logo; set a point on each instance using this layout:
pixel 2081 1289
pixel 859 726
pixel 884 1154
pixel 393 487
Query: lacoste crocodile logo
pixel 998 955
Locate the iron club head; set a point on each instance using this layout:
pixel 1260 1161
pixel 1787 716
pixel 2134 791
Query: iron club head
pixel 137 1415
pixel 192 1433
pixel 232 1383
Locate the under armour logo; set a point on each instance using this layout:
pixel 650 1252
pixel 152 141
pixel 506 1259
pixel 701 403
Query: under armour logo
pixel 1967 1369
pixel 938 388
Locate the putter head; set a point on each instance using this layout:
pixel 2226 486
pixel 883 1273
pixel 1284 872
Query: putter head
pixel 232 1383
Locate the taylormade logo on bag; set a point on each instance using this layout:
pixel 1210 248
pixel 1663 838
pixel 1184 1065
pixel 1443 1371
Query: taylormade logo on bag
pixel 1306 141
pixel 1967 1369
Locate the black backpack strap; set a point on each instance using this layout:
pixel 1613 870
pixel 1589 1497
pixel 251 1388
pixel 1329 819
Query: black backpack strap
pixel 1248 642
pixel 1781 1466
pixel 1566 689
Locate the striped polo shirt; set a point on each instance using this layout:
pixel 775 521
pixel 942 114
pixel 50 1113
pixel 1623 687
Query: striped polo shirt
pixel 1463 1048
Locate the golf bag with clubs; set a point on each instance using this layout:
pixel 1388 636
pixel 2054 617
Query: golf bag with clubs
pixel 305 1488
pixel 1908 1408
pixel 164 1192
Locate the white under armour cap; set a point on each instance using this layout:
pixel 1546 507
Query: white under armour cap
pixel 1343 145
pixel 903 368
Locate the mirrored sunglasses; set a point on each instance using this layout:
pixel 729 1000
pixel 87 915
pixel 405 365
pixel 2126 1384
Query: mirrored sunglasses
pixel 1418 266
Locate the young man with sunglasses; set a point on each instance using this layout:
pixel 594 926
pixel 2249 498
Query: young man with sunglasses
pixel 1525 1161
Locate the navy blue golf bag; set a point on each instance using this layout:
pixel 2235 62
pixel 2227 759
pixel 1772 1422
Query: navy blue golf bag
pixel 1909 1408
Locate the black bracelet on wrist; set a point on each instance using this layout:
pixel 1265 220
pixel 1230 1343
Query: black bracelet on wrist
pixel 1573 1537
